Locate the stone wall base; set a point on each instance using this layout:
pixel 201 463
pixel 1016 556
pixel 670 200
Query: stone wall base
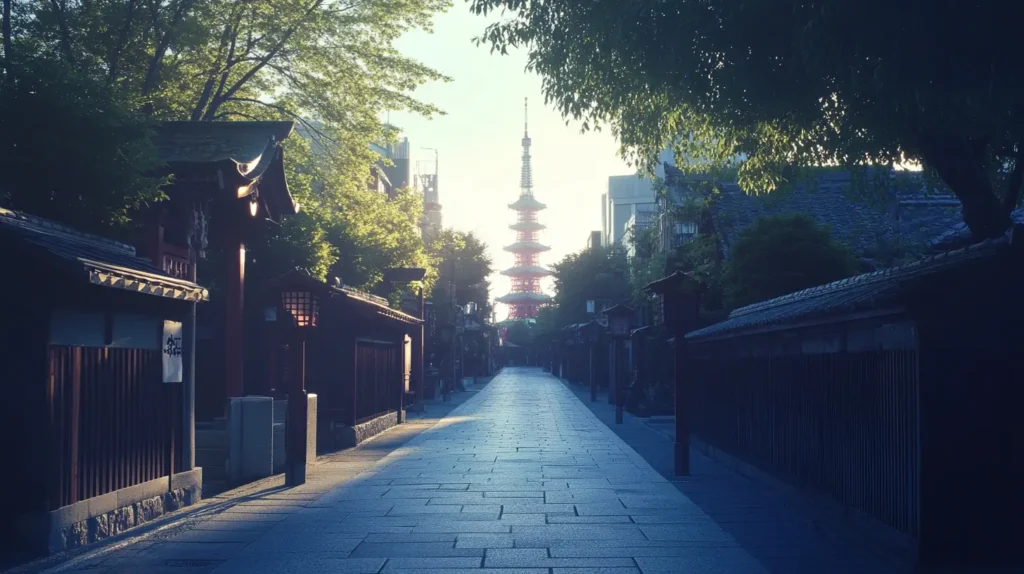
pixel 117 521
pixel 347 437
pixel 102 517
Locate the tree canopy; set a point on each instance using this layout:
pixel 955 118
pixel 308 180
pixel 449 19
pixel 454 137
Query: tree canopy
pixel 791 84
pixel 781 254
pixel 82 81
pixel 600 274
pixel 71 150
pixel 461 261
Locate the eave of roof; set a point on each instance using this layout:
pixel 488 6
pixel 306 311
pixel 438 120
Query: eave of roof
pixel 527 246
pixel 874 291
pixel 527 270
pixel 527 226
pixel 103 262
pixel 243 143
pixel 524 298
pixel 364 301
pixel 251 149
pixel 527 203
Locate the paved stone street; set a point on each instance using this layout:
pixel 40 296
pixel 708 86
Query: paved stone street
pixel 522 477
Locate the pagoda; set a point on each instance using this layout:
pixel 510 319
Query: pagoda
pixel 526 297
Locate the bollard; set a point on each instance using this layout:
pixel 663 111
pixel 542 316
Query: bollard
pixel 618 406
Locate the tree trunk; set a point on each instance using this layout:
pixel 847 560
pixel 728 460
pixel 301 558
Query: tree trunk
pixel 122 41
pixel 962 164
pixel 65 31
pixel 8 43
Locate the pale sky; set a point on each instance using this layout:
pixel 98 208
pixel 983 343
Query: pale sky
pixel 479 145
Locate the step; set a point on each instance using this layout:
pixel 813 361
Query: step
pixel 212 439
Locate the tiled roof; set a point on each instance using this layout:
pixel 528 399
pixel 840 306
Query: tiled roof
pixel 959 233
pixel 527 202
pixel 253 148
pixel 910 212
pixel 362 300
pixel 534 270
pixel 100 260
pixel 526 246
pixel 527 226
pixel 868 291
pixel 211 142
pixel 524 297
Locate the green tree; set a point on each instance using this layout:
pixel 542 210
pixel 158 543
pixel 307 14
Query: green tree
pixel 72 149
pixel 599 274
pixel 778 255
pixel 328 64
pixel 790 84
pixel 520 333
pixel 460 260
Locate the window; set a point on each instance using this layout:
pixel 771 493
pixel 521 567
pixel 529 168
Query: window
pixel 684 231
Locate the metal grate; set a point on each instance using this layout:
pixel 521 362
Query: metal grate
pixel 303 306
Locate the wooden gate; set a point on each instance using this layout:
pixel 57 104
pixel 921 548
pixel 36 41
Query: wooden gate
pixel 377 378
pixel 114 423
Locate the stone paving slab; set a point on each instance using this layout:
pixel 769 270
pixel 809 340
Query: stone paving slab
pixel 522 477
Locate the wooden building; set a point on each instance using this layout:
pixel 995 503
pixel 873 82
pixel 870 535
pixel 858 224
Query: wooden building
pixel 895 393
pixel 354 353
pixel 228 189
pixel 93 405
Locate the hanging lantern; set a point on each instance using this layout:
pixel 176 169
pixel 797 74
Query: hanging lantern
pixel 303 306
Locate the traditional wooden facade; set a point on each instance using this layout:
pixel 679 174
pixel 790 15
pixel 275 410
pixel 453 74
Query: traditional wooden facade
pixel 228 189
pixel 97 433
pixel 356 357
pixel 896 393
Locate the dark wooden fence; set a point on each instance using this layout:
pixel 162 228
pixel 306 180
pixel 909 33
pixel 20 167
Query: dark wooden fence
pixel 115 424
pixel 378 370
pixel 843 423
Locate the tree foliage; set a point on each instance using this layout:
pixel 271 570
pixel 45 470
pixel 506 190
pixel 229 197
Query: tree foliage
pixel 328 64
pixel 461 262
pixel 71 150
pixel 791 84
pixel 781 254
pixel 520 333
pixel 600 274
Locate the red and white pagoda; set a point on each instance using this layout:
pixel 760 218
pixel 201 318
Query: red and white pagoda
pixel 526 297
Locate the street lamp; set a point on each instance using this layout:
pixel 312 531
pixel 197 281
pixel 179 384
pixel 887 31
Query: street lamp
pixel 448 338
pixel 620 322
pixel 304 308
pixel 591 334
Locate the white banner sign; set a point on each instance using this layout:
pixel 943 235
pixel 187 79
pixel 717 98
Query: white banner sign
pixel 172 352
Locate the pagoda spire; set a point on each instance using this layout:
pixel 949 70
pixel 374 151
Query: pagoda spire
pixel 526 177
pixel 526 296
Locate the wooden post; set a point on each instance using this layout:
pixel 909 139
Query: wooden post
pixel 74 419
pixel 592 374
pixel 682 440
pixel 188 387
pixel 621 370
pixel 400 381
pixel 353 414
pixel 295 431
pixel 233 318
pixel 416 370
pixel 613 364
pixel 681 295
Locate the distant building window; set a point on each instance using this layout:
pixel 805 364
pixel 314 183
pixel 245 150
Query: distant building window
pixel 684 231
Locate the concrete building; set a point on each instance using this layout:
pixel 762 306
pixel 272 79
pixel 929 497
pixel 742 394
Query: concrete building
pixel 645 217
pixel 627 195
pixel 594 239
